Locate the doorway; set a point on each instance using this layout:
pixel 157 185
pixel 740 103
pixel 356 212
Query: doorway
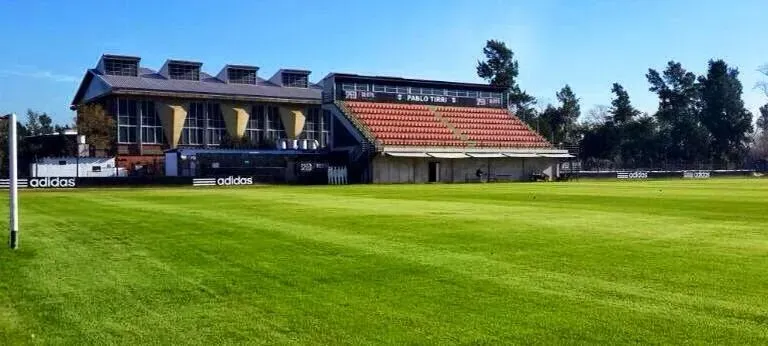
pixel 434 172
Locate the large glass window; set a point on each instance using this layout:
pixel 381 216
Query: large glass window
pixel 273 126
pixel 317 126
pixel 295 80
pixel 311 124
pixel 184 71
pixel 194 124
pixel 216 127
pixel 255 128
pixel 126 120
pixel 241 76
pixel 151 128
pixel 121 67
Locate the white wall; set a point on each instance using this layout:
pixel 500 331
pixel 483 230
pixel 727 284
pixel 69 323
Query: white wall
pixel 72 167
pixel 387 169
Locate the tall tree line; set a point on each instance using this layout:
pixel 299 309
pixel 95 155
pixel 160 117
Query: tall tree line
pixel 699 119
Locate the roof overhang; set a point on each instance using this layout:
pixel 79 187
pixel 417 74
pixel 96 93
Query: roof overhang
pixel 405 154
pixel 558 156
pixel 392 148
pixel 479 153
pixel 448 155
pixel 486 155
pixel 522 155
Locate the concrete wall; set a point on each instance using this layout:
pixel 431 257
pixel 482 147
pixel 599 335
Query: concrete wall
pixel 388 169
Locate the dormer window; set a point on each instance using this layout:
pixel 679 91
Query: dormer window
pixel 295 80
pixel 117 66
pixel 241 76
pixel 184 71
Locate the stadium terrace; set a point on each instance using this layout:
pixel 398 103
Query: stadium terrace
pixel 380 129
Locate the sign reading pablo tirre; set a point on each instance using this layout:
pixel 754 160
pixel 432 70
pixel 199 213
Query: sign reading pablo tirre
pixel 423 99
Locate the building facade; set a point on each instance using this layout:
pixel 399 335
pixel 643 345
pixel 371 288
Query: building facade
pixel 180 106
pixel 383 129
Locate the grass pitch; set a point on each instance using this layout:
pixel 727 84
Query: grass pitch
pixel 588 262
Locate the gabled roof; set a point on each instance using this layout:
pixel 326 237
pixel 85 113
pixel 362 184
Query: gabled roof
pixel 150 82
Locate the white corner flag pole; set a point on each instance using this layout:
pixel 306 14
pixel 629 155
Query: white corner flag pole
pixel 13 182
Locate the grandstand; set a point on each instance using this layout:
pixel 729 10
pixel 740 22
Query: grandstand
pixel 383 129
pixel 412 130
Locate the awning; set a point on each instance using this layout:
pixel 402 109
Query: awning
pixel 486 155
pixel 523 155
pixel 449 155
pixel 558 156
pixel 408 154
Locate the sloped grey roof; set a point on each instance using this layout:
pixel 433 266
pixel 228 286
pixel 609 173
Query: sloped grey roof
pixel 150 81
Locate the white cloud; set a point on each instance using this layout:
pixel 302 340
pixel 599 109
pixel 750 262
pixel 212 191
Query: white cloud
pixel 40 74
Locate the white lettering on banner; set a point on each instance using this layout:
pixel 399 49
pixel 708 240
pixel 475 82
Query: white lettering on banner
pixel 49 182
pixel 696 175
pixel 234 181
pixel 632 175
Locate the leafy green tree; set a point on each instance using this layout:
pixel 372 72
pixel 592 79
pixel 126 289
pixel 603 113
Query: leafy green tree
pixel 641 143
pixel 621 107
pixel 33 126
pixel 98 127
pixel 46 124
pixel 569 112
pixel 723 113
pixel 501 69
pixel 681 133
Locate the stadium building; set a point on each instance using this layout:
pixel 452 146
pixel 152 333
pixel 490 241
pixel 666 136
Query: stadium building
pixel 382 129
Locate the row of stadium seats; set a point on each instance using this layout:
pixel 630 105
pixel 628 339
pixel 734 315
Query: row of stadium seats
pixel 396 123
pixel 384 129
pixel 497 132
pixel 403 124
pixel 424 112
pixel 358 104
pixel 424 143
pixel 471 110
pixel 366 116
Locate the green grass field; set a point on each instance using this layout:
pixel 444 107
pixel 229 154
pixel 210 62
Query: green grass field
pixel 587 262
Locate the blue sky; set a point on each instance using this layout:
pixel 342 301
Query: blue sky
pixel 47 45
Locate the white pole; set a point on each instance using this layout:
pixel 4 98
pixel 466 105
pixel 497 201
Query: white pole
pixel 14 202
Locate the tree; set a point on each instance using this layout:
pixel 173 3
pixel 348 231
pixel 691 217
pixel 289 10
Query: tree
pixel 98 128
pixel 501 69
pixel 764 84
pixel 33 125
pixel 641 143
pixel 597 115
pixel 680 130
pixel 762 120
pixel 723 113
pixel 569 112
pixel 621 108
pixel 46 124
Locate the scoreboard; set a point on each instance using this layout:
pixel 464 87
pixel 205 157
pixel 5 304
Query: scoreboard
pixel 346 95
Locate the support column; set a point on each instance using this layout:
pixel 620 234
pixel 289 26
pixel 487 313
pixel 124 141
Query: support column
pixel 172 116
pixel 236 119
pixel 293 120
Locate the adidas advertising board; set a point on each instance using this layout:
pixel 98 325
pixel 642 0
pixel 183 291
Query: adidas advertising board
pixel 51 183
pixel 632 175
pixel 227 181
pixel 696 175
